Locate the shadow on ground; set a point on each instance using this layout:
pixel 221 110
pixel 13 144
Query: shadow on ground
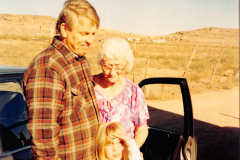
pixel 214 142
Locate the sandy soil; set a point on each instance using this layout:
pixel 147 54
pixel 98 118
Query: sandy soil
pixel 216 122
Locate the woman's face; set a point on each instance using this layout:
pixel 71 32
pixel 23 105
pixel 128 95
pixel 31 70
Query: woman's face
pixel 113 69
pixel 114 149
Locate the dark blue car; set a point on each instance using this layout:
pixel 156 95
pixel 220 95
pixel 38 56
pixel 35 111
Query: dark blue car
pixel 15 139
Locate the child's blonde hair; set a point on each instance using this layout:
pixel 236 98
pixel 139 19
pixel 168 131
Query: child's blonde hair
pixel 104 136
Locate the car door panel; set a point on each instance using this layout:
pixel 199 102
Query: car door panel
pixel 23 153
pixel 162 144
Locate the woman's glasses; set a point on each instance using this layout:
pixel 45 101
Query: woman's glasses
pixel 109 67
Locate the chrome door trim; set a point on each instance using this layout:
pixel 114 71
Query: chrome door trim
pixel 15 151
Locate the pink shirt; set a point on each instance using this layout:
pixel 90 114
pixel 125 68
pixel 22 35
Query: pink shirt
pixel 128 107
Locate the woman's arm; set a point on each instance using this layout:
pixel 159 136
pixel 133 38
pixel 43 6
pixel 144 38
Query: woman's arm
pixel 141 133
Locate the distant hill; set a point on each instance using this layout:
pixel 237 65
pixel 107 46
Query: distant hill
pixel 33 26
pixel 210 35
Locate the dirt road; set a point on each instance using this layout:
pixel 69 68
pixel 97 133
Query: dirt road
pixel 216 122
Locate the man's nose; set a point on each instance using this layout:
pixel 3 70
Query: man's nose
pixel 90 39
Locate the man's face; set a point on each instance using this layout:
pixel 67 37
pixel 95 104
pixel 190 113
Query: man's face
pixel 80 37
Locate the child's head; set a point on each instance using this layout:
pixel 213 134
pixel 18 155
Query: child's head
pixel 107 146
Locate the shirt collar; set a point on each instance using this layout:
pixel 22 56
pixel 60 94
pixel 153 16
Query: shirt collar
pixel 68 54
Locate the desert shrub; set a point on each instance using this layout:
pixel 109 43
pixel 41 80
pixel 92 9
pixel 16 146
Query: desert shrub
pixel 227 66
pixel 173 64
pixel 140 63
pixel 42 38
pixel 226 85
pixel 24 37
pixel 200 65
pixel 161 92
pixel 194 76
pixel 15 37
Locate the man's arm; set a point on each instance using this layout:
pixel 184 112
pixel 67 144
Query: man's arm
pixel 44 91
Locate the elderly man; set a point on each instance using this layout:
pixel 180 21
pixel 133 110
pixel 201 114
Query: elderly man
pixel 58 86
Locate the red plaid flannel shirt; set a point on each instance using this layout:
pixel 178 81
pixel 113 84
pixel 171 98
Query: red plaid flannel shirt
pixel 62 106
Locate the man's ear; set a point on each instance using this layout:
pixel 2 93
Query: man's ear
pixel 63 28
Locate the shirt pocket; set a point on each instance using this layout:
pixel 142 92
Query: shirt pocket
pixel 79 94
pixel 83 110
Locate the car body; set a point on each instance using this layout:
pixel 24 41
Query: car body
pixel 15 141
pixel 14 137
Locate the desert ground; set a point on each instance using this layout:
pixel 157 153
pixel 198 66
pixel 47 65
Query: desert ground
pixel 213 73
pixel 216 122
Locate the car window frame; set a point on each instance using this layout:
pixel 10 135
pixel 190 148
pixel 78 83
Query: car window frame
pixel 186 97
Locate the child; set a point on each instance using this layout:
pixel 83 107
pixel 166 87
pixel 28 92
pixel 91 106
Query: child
pixel 112 143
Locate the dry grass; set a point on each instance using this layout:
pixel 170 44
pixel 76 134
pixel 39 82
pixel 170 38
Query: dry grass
pixel 165 60
pixel 19 53
pixel 19 46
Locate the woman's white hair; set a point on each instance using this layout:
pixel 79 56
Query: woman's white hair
pixel 116 48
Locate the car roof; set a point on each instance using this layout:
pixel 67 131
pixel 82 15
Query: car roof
pixel 11 69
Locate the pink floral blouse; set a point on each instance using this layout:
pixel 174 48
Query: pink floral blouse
pixel 128 107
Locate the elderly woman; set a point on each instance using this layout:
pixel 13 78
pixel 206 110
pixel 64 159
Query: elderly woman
pixel 119 99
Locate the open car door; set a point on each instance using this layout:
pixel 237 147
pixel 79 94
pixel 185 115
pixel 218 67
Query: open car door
pixel 167 140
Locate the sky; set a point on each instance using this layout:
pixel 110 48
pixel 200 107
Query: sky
pixel 145 17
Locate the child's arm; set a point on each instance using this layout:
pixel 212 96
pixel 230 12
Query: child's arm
pixel 133 150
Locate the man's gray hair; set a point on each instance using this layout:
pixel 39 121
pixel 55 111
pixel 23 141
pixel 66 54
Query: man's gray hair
pixel 73 10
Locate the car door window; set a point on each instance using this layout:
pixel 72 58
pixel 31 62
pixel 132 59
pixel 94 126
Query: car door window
pixel 13 117
pixel 165 106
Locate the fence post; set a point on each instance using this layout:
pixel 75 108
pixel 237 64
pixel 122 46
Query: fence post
pixel 146 88
pixel 134 48
pixel 190 60
pixel 51 37
pixel 179 37
pixel 214 70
